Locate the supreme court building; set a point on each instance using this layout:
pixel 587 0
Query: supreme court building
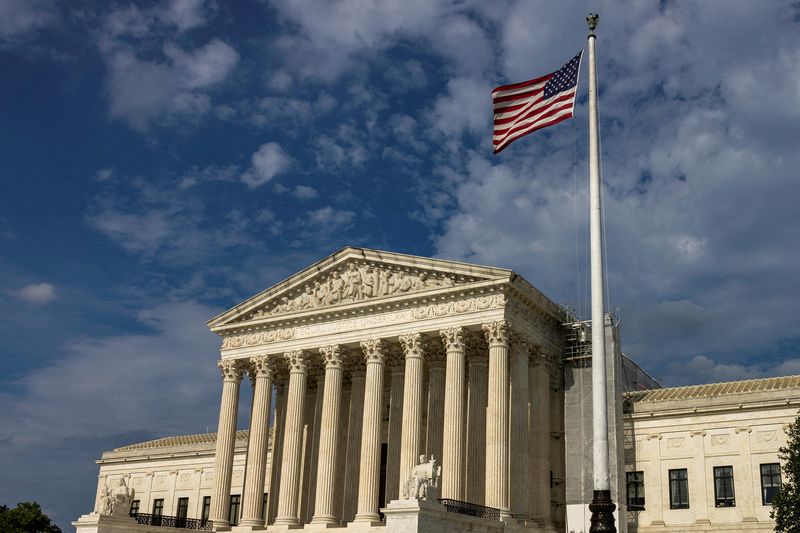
pixel 367 360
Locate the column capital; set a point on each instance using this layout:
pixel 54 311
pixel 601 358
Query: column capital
pixel 297 361
pixel 520 342
pixel 374 350
pixel 354 364
pixel 332 356
pixel 497 333
pixel 261 366
pixel 436 355
pixel 231 369
pixel 394 358
pixel 454 338
pixel 414 345
pixel 537 358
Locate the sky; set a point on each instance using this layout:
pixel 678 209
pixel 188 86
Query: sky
pixel 161 161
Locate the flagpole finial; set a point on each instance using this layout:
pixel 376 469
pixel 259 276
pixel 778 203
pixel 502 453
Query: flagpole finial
pixel 592 21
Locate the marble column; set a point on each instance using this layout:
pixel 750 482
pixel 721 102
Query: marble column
pixel 436 376
pixel 329 425
pixel 397 377
pixel 476 423
pixel 520 456
pixel 278 430
pixel 292 441
pixel 413 349
pixel 232 371
pixel 452 482
pixel 341 446
pixel 311 451
pixel 539 379
pixel 354 427
pixel 262 369
pixel 369 471
pixel 497 337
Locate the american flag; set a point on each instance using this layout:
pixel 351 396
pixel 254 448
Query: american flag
pixel 524 107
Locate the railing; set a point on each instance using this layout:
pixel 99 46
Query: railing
pixel 470 509
pixel 173 521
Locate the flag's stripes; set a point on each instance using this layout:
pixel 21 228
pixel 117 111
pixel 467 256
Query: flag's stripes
pixel 522 108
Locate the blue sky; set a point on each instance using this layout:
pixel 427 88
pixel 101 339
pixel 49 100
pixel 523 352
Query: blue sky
pixel 161 161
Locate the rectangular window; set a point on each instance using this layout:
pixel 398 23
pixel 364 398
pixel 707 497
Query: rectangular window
pixel 206 512
pixel 264 506
pixel 134 507
pixel 634 482
pixel 723 487
pixel 678 489
pixel 183 508
pixel 234 510
pixel 158 507
pixel 770 481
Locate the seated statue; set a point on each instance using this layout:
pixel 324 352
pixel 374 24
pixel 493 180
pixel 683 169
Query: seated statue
pixel 123 497
pixel 423 482
pixel 106 500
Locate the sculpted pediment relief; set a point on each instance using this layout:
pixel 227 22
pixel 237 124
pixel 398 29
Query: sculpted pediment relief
pixel 354 282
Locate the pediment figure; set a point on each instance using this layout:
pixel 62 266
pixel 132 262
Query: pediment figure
pixel 356 275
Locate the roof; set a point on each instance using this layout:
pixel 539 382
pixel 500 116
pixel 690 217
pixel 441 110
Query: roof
pixel 715 389
pixel 180 440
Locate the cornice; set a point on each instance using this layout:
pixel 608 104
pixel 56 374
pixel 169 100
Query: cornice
pixel 644 414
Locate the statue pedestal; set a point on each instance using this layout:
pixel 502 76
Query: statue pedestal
pixel 415 516
pixel 101 523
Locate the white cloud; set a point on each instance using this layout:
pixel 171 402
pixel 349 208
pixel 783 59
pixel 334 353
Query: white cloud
pixel 185 14
pixel 18 17
pixel 267 162
pixel 329 218
pixel 203 67
pixel 37 293
pixel 304 192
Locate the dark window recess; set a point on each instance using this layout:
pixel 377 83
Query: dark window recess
pixel 134 507
pixel 723 487
pixel 206 512
pixel 264 506
pixel 182 510
pixel 770 481
pixel 634 482
pixel 234 510
pixel 678 489
pixel 158 507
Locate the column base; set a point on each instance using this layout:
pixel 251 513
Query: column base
pixel 370 520
pixel 323 525
pixel 287 523
pixel 602 509
pixel 247 528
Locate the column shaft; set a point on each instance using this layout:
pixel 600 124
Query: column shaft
pixel 476 429
pixel 290 463
pixel 436 377
pixel 278 425
pixel 329 426
pixel 453 438
pixel 520 464
pixel 497 418
pixel 540 438
pixel 393 474
pixel 354 428
pixel 413 349
pixel 226 438
pixel 369 472
pixel 252 510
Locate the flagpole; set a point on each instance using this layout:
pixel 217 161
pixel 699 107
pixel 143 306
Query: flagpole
pixel 602 507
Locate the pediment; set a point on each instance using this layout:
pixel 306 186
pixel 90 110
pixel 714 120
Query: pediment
pixel 356 276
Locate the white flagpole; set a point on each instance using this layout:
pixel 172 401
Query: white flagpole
pixel 602 507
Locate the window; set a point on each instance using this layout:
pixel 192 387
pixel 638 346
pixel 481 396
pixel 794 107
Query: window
pixel 183 508
pixel 206 512
pixel 264 506
pixel 770 481
pixel 134 507
pixel 158 507
pixel 678 489
pixel 723 487
pixel 634 482
pixel 234 510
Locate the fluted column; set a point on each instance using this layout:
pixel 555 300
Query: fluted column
pixel 262 369
pixel 539 378
pixel 453 441
pixel 329 425
pixel 397 376
pixel 341 446
pixel 232 371
pixel 290 463
pixel 497 417
pixel 436 376
pixel 313 420
pixel 413 349
pixel 354 427
pixel 278 431
pixel 520 466
pixel 369 473
pixel 476 424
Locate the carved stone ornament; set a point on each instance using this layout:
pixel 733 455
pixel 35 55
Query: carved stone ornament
pixel 719 440
pixel 374 350
pixel 231 369
pixel 497 333
pixel 116 502
pixel 453 339
pixel 354 283
pixel 414 345
pixel 394 358
pixel 436 355
pixel 423 480
pixel 262 367
pixel 297 360
pixel 332 355
pixel 765 436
